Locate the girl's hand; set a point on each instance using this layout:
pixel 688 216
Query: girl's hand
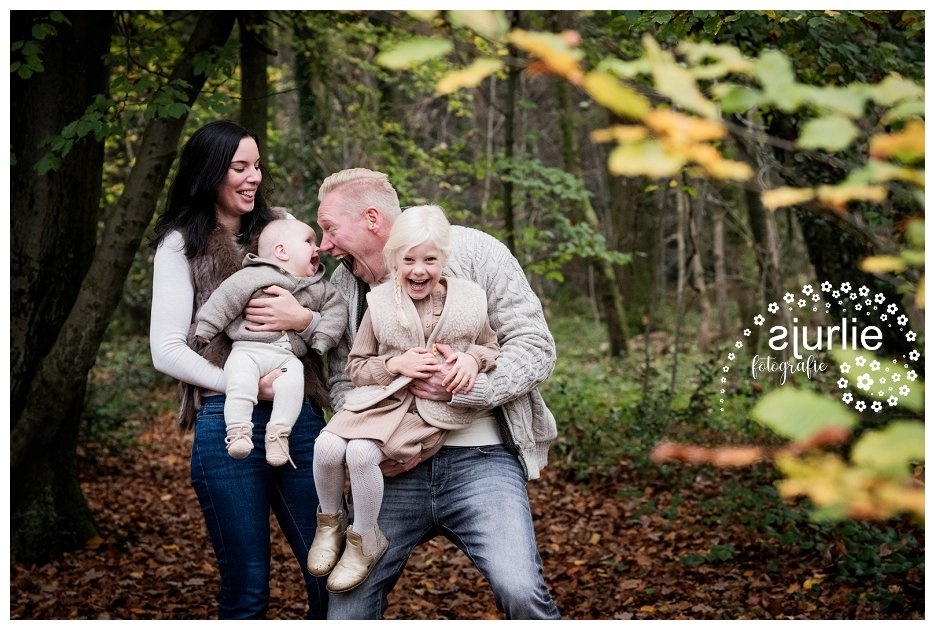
pixel 415 363
pixel 462 372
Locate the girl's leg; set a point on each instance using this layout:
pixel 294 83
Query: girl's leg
pixel 329 471
pixel 363 463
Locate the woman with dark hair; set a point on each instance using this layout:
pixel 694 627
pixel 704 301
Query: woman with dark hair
pixel 213 218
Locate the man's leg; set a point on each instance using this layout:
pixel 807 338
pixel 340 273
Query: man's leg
pixel 405 519
pixel 482 506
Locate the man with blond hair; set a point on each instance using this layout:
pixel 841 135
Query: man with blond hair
pixel 473 490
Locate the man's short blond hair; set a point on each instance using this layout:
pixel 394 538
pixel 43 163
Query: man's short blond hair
pixel 365 188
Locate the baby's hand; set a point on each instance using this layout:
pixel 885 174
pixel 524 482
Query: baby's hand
pixel 415 363
pixel 462 372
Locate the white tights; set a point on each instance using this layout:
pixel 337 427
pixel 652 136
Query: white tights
pixel 363 459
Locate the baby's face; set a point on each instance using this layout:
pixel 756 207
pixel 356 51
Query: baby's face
pixel 302 248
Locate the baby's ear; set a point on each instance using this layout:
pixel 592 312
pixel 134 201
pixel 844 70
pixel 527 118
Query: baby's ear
pixel 279 251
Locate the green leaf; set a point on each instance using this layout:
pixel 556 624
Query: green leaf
pixel 737 99
pixel 890 451
pixel 847 101
pixel 492 24
pixel 797 414
pixel 413 52
pixel 831 133
pixel 894 89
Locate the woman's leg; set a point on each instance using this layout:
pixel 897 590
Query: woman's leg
pixel 235 499
pixel 295 501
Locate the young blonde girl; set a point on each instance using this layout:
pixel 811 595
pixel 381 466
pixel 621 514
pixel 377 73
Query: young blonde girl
pixel 413 320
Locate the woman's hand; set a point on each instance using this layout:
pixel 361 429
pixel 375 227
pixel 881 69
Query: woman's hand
pixel 265 390
pixel 280 312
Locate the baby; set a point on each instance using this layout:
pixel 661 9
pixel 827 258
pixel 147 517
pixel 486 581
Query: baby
pixel 288 257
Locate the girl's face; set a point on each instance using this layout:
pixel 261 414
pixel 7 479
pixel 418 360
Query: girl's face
pixel 237 192
pixel 420 268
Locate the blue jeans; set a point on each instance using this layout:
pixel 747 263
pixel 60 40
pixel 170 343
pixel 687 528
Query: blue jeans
pixel 236 496
pixel 476 498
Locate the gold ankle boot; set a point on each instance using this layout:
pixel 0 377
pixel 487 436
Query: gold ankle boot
pixel 359 558
pixel 329 538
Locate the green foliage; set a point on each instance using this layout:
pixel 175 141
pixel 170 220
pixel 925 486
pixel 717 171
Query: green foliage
pixel 123 388
pixel 26 54
pixel 548 243
pixel 798 414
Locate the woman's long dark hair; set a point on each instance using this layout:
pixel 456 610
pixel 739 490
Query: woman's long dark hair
pixel 203 166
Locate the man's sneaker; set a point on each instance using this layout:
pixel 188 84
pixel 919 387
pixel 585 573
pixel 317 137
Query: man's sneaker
pixel 277 447
pixel 239 441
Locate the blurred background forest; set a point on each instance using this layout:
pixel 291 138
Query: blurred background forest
pixel 662 176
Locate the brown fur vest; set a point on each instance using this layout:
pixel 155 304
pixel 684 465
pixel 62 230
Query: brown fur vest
pixel 223 257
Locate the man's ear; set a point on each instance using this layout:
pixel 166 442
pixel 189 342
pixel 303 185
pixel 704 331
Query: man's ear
pixel 373 217
pixel 279 251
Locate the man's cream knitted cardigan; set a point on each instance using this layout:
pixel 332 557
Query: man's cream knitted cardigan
pixel 527 349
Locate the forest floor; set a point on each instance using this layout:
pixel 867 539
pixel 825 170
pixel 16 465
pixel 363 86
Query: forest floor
pixel 609 552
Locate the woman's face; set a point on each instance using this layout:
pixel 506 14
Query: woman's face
pixel 420 268
pixel 237 192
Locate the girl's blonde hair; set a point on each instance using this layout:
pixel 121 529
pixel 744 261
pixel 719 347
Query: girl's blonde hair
pixel 416 225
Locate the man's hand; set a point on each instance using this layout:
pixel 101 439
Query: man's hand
pixel 279 312
pixel 434 387
pixel 391 467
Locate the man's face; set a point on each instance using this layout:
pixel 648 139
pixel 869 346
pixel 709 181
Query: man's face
pixel 348 235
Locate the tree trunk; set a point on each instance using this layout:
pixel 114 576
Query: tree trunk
pixel 719 250
pixel 608 290
pixel 254 104
pixel 48 512
pixel 698 275
pixel 509 140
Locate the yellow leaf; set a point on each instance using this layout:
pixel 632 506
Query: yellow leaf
pixel 908 144
pixel 620 133
pixel 649 610
pixel 644 158
pixel 882 264
pixel 837 197
pixel 683 129
pixel 717 166
pixel 468 77
pixel 552 50
pixel 616 96
pixel 785 196
pixel 595 538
